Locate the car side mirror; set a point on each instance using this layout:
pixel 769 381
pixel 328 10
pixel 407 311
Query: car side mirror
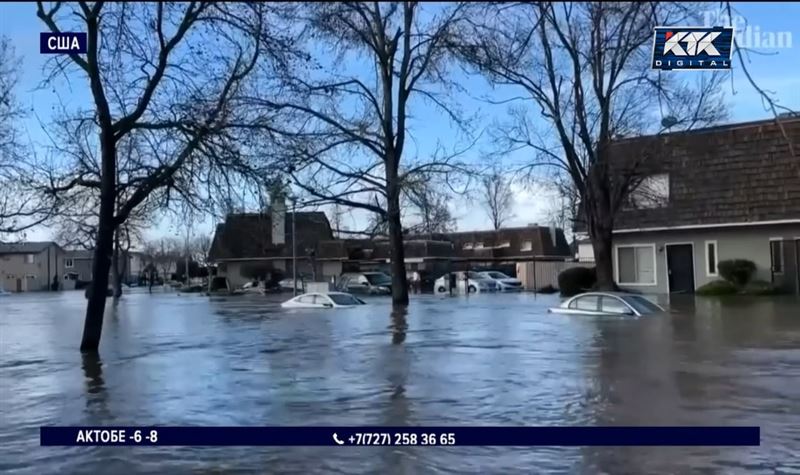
pixel 628 312
pixel 327 305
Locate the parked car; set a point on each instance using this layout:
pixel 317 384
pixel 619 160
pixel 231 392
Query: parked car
pixel 504 282
pixel 323 300
pixel 473 283
pixel 607 303
pixel 372 283
pixel 287 284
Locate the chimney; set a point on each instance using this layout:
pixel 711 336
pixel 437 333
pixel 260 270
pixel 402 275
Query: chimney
pixel 278 216
pixel 553 235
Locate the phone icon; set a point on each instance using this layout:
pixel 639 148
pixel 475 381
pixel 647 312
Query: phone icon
pixel 336 439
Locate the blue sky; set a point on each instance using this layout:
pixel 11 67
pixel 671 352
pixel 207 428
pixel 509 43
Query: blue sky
pixel 778 70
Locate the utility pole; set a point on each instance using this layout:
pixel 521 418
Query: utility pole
pixel 294 246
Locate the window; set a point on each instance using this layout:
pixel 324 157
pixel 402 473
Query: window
pixel 478 245
pixel 711 258
pixel 613 305
pixel 589 302
pixel 29 258
pixel 503 244
pixel 68 263
pixel 526 246
pixel 636 265
pixel 652 192
pixel 310 299
pixel 776 255
pixel 468 245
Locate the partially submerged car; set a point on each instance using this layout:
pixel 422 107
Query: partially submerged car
pixel 607 303
pixel 323 300
pixel 368 283
pixel 469 281
pixel 504 282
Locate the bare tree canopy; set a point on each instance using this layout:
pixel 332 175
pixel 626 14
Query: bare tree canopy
pixel 585 66
pixel 158 85
pixel 19 208
pixel 496 196
pixel 349 117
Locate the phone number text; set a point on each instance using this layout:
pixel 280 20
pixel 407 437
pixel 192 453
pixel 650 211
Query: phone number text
pixel 401 438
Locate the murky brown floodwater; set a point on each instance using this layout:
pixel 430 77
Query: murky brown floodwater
pixel 486 360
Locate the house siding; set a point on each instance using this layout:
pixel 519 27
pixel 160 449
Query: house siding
pixel 750 243
pixel 17 274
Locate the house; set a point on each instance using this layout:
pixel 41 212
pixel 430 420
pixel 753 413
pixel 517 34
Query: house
pixel 252 245
pixel 77 265
pixel 29 266
pixel 719 193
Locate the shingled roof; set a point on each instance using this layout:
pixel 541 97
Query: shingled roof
pixel 25 247
pixel 249 236
pixel 732 174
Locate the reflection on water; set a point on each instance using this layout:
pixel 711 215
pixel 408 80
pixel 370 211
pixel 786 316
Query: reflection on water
pixel 485 360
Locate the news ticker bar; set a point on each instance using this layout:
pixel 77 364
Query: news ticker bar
pixel 400 436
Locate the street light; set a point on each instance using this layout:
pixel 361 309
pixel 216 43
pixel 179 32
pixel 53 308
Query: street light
pixel 294 246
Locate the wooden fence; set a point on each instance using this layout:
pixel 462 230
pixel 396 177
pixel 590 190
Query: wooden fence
pixel 539 274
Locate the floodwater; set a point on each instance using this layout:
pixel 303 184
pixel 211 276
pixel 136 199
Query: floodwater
pixel 482 360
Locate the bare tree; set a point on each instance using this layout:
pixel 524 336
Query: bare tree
pixel 19 209
pixel 585 66
pixel 496 196
pixel 154 80
pixel 351 126
pixel 427 202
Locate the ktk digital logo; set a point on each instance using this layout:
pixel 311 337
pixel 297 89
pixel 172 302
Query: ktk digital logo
pixel 692 48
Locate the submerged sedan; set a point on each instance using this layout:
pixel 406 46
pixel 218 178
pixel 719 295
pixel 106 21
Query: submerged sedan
pixel 504 282
pixel 607 303
pixel 323 300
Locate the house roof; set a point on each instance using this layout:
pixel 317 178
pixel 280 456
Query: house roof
pixel 249 236
pixel 25 247
pixel 732 174
pixel 79 254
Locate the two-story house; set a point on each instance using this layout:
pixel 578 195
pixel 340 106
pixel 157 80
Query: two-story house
pixel 727 192
pixel 29 266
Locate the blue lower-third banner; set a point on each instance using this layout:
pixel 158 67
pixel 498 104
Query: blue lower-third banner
pixel 401 436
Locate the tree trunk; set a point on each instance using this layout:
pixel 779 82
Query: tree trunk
pixel 115 270
pixel 603 257
pixel 399 281
pixel 93 326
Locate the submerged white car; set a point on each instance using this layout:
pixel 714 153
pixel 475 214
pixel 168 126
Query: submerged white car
pixel 504 282
pixel 323 300
pixel 470 281
pixel 607 303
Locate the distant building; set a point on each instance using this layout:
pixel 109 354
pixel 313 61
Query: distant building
pixel 30 266
pixel 728 192
pixel 247 245
pixel 77 265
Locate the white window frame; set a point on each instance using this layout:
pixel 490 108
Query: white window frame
pixel 783 255
pixel 30 258
pixel 69 263
pixel 716 258
pixel 526 246
pixel 479 245
pixel 636 284
pixel 467 245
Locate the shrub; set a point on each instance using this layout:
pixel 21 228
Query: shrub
pixel 760 287
pixel 717 287
pixel 576 280
pixel 737 271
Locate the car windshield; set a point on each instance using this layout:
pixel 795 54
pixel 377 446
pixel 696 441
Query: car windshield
pixel 378 279
pixel 641 304
pixel 343 299
pixel 497 275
